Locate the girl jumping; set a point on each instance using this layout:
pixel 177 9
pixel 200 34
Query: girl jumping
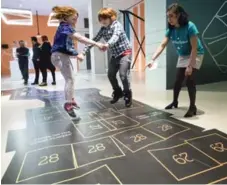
pixel 63 48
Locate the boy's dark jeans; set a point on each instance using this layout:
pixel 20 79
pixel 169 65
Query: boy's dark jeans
pixel 121 64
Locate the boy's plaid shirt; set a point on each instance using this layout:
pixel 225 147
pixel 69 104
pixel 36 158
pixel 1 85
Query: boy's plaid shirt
pixel 115 36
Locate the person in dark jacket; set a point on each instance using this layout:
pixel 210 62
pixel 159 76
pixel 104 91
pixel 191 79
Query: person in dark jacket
pixel 45 61
pixel 22 55
pixel 36 59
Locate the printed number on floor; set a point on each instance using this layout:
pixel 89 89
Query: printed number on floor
pixel 153 114
pixel 218 147
pixel 165 127
pixel 182 158
pixel 95 127
pixel 96 148
pixel 138 138
pixel 118 122
pixel 48 159
pixel 48 118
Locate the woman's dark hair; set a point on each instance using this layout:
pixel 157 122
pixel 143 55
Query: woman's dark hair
pixel 34 39
pixel 178 10
pixel 44 38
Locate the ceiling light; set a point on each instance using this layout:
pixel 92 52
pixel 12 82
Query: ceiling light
pixel 26 16
pixel 51 21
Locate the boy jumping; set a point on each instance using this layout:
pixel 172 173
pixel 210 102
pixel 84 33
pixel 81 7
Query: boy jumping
pixel 118 44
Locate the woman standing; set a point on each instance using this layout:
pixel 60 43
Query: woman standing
pixel 45 61
pixel 63 48
pixel 184 35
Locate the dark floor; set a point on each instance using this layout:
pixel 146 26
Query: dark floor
pixel 111 145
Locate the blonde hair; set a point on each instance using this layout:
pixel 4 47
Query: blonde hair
pixel 64 12
pixel 107 13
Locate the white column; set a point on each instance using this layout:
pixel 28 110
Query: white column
pixel 155 28
pixel 98 64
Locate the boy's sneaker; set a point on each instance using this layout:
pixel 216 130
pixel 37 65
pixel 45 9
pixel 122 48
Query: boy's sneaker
pixel 117 94
pixel 128 98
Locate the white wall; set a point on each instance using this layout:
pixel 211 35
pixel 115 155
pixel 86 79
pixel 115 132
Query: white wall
pixel 80 29
pixel 119 4
pixel 155 28
pixel 98 59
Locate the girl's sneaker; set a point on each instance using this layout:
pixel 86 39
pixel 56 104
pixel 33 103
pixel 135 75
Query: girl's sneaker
pixel 69 109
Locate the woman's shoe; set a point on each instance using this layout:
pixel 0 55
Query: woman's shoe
pixel 53 83
pixel 170 106
pixel 192 111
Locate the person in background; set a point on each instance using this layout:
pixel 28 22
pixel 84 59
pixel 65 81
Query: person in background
pixel 184 35
pixel 63 48
pixel 45 61
pixel 22 55
pixel 36 59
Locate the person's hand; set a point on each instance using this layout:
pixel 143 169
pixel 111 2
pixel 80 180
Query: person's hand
pixel 101 46
pixel 150 64
pixel 105 47
pixel 38 59
pixel 80 57
pixel 188 71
